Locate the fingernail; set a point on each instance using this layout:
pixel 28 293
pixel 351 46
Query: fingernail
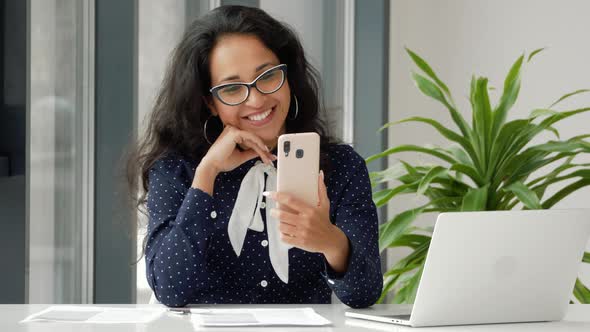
pixel 267 148
pixel 322 174
pixel 274 157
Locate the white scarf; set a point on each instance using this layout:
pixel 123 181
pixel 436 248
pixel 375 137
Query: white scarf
pixel 246 215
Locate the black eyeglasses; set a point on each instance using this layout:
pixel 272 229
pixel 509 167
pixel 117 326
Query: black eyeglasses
pixel 269 81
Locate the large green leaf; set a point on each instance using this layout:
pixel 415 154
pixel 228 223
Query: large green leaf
pixel 470 172
pixel 504 146
pixel 525 195
pixel 459 154
pixel 475 199
pixel 409 240
pixel 560 116
pixel 447 133
pixel 565 192
pixel 396 227
pixel 581 292
pixel 401 270
pixel 388 284
pixel 563 146
pixel 415 257
pixel 542 112
pixel 386 196
pixel 542 182
pixel 509 95
pixel 533 53
pixel 524 136
pixel 425 67
pixel 411 148
pixel 548 179
pixel 567 95
pixel 431 90
pixel 511 157
pixel 523 165
pixel 482 116
pixel 390 174
pixel 407 293
pixel 431 175
pixel 379 195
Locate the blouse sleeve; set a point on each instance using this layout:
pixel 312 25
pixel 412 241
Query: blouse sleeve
pixel 356 215
pixel 179 230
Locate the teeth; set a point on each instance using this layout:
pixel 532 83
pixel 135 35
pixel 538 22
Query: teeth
pixel 260 116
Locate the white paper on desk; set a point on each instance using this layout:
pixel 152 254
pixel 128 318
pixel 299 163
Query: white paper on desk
pixel 95 315
pixel 258 317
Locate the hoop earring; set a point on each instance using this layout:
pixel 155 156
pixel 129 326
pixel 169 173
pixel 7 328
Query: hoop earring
pixel 205 130
pixel 296 108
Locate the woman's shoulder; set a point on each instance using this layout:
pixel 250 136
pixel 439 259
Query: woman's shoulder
pixel 345 162
pixel 174 166
pixel 344 154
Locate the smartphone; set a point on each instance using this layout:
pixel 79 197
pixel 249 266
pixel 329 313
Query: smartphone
pixel 299 166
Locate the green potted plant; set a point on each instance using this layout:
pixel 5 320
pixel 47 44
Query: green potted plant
pixel 488 166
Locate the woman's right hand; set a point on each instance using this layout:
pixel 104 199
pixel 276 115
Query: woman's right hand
pixel 224 155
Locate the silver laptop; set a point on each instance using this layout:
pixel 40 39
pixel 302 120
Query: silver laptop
pixel 496 267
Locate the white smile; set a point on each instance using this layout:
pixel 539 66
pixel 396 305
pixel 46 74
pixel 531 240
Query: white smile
pixel 259 116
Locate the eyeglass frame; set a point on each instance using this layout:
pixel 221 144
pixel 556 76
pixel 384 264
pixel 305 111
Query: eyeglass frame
pixel 215 90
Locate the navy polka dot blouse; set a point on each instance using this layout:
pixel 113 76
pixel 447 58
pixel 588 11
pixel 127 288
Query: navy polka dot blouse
pixel 189 258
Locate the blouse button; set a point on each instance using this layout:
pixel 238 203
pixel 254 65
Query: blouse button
pixel 262 205
pixel 213 214
pixel 263 283
pixel 264 243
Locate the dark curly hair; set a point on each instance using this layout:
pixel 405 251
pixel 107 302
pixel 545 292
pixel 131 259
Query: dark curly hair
pixel 179 113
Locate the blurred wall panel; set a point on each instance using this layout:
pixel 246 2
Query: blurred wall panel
pixel 12 150
pixel 58 148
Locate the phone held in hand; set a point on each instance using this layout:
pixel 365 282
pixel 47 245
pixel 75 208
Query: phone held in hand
pixel 298 166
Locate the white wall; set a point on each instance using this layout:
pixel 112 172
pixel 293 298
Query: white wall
pixel 464 37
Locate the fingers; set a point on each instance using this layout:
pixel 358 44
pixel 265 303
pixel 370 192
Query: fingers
pixel 290 240
pixel 289 201
pixel 289 234
pixel 288 229
pixel 322 191
pixel 241 137
pixel 284 216
pixel 287 225
pixel 254 142
pixel 255 147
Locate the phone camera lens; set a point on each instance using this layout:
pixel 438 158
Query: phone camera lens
pixel 287 148
pixel 299 153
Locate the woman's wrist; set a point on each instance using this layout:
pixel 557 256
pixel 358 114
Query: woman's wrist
pixel 338 251
pixel 205 178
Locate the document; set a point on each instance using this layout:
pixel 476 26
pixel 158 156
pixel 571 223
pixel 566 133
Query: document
pixel 100 315
pixel 257 317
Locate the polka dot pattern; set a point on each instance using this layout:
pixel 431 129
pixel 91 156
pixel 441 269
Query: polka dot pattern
pixel 189 258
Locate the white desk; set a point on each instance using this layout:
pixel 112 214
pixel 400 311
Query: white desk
pixel 577 319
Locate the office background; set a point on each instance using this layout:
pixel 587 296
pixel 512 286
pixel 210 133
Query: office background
pixel 79 77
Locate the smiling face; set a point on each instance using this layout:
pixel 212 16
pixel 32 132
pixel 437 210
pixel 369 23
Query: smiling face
pixel 240 58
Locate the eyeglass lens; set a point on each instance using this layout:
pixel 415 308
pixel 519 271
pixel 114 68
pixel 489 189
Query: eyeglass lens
pixel 269 82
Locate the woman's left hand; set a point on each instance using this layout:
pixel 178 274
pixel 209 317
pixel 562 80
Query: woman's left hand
pixel 309 228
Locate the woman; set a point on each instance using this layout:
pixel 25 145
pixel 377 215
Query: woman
pixel 237 80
